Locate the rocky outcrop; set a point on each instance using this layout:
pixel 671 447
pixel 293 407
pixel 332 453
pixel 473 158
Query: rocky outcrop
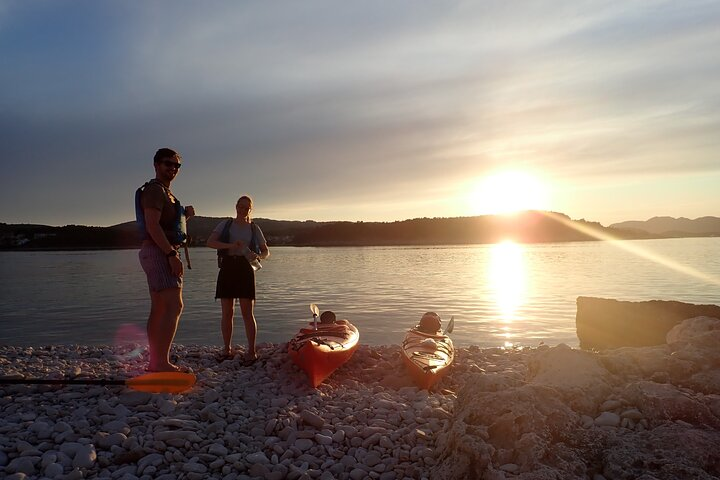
pixel 605 323
pixel 629 413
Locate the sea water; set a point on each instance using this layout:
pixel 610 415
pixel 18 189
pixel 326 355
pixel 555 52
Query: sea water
pixel 500 295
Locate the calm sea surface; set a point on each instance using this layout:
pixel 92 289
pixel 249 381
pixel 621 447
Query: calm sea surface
pixel 500 295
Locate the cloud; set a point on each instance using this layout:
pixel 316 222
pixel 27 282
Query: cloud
pixel 319 103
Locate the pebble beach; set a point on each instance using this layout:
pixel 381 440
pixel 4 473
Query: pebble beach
pixel 528 413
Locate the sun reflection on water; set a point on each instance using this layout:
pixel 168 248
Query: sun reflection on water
pixel 507 278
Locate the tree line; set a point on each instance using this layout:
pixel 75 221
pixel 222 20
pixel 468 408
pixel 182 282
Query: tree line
pixel 524 227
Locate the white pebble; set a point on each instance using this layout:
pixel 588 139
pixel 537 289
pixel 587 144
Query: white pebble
pixel 607 419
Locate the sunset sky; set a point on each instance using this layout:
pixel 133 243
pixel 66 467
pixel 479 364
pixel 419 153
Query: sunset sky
pixel 365 110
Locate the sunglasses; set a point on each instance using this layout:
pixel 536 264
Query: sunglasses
pixel 170 164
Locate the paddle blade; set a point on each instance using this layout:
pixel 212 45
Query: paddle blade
pixel 314 309
pixel 162 382
pixel 451 325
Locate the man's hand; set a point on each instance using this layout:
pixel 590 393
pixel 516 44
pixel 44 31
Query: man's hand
pixel 176 266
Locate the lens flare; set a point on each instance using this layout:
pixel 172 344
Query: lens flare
pixel 633 248
pixel 130 341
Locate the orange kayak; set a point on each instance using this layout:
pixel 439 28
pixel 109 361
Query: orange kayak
pixel 427 356
pixel 320 352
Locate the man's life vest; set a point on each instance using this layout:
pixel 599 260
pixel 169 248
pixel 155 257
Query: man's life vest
pixel 176 232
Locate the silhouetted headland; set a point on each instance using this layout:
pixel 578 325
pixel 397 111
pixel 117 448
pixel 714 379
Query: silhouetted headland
pixel 524 227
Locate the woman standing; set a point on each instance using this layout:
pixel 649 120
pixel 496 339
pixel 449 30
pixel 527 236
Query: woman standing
pixel 240 243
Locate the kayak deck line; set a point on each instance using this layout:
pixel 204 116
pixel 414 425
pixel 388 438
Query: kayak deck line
pixel 320 352
pixel 427 356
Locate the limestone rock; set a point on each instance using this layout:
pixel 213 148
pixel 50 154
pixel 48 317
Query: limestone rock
pixel 606 323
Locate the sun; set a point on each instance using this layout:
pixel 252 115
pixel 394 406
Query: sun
pixel 508 192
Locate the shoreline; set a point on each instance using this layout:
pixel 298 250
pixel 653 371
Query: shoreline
pixel 528 413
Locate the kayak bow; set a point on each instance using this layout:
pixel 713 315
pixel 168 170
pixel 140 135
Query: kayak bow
pixel 319 352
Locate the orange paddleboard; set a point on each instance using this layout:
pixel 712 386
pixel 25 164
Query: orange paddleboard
pixel 320 352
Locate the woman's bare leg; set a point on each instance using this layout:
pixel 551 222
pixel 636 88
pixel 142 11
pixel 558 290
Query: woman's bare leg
pixel 246 308
pixel 226 323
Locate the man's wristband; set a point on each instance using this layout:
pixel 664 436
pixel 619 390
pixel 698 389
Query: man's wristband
pixel 172 253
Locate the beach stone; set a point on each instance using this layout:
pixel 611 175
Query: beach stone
pixel 312 419
pixel 609 405
pixel 166 406
pixel 75 474
pixel 323 439
pixel 358 474
pixel 152 459
pixel 211 396
pixel 126 471
pixel 194 468
pixel 607 419
pixel 85 457
pixel 106 442
pixel 116 426
pixel 70 448
pixel 632 414
pixel 41 430
pixel 24 465
pixel 270 426
pixel 218 449
pixel 3 458
pixel 178 435
pixel 134 398
pixel 17 476
pixel 303 444
pixel 372 459
pixel 339 436
pixel 53 470
pixel 348 461
pixel 257 457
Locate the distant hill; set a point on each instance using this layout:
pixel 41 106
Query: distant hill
pixel 524 227
pixel 674 227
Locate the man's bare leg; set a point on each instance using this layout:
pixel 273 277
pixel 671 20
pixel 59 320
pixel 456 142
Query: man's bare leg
pixel 165 310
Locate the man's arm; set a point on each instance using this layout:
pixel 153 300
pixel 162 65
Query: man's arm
pixel 152 224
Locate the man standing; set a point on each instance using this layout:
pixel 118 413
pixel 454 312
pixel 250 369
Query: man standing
pixel 162 221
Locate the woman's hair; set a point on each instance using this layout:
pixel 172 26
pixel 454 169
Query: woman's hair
pixel 245 197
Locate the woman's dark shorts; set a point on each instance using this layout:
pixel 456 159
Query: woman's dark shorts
pixel 236 279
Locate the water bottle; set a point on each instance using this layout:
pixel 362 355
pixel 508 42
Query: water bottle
pixel 254 262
